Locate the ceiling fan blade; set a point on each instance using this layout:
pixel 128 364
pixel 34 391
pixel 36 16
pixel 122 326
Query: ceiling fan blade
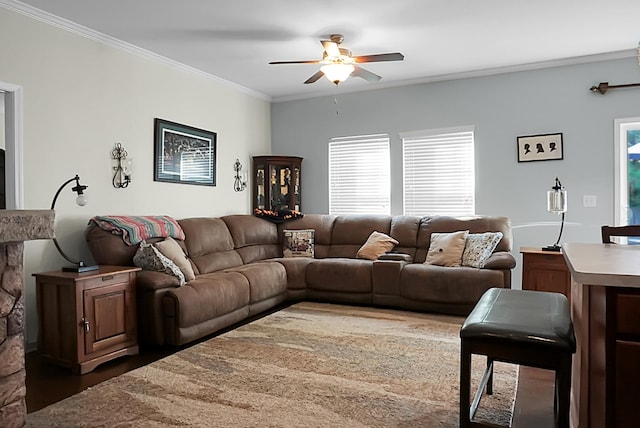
pixel 311 61
pixel 314 78
pixel 365 74
pixel 331 48
pixel 395 56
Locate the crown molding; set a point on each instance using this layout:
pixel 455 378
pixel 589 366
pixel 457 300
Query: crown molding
pixel 89 33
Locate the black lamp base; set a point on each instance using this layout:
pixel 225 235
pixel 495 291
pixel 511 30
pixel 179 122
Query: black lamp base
pixel 552 248
pixel 79 268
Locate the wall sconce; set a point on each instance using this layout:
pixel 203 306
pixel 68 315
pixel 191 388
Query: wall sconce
pixel 122 167
pixel 240 181
pixel 79 265
pixel 557 204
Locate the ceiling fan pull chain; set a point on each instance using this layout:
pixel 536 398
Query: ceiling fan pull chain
pixel 335 101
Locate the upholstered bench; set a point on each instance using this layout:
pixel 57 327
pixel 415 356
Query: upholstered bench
pixel 530 328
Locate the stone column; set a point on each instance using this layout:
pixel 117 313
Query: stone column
pixel 15 228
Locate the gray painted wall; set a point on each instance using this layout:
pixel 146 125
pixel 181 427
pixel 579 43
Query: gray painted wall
pixel 501 107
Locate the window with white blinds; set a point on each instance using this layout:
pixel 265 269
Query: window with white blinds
pixel 438 172
pixel 359 175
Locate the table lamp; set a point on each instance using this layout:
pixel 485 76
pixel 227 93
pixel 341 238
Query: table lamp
pixel 79 265
pixel 557 204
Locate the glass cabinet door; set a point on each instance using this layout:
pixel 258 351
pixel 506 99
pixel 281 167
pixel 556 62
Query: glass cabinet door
pixel 296 188
pixel 259 201
pixel 277 184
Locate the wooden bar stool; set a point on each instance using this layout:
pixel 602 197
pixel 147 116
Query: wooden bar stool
pixel 531 328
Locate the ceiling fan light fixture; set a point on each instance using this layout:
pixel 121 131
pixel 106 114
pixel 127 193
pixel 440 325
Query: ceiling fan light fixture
pixel 337 73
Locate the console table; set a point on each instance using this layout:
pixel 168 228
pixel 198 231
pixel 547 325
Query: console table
pixel 605 294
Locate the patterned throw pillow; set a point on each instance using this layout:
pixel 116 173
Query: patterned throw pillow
pixel 377 244
pixel 445 249
pixel 479 248
pixel 173 251
pixel 149 257
pixel 298 243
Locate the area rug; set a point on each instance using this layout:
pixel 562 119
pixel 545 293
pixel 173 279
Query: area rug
pixel 308 365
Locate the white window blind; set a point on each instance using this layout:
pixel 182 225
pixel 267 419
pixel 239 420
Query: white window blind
pixel 359 175
pixel 438 168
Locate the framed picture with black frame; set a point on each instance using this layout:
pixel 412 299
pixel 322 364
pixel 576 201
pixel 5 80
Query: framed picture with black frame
pixel 540 147
pixel 184 154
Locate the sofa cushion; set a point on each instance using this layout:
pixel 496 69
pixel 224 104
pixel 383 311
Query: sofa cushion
pixel 479 247
pixel 173 251
pixel 351 231
pixel 209 244
pixel 150 258
pixel 207 297
pixel 476 224
pixel 340 274
pixel 253 238
pixel 298 243
pixel 377 244
pixel 266 279
pixel 405 229
pixel 439 284
pixel 446 249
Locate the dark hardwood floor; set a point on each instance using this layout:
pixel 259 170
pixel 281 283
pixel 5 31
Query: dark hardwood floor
pixel 48 383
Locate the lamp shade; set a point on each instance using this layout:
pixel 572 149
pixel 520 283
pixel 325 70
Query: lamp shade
pixel 557 204
pixel 338 72
pixel 557 199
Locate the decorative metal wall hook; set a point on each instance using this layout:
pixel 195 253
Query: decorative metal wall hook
pixel 603 87
pixel 239 183
pixel 121 167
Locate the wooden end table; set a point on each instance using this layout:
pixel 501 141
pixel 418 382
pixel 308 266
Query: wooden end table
pixel 545 271
pixel 86 319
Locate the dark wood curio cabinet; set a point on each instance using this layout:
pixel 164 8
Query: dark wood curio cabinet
pixel 276 184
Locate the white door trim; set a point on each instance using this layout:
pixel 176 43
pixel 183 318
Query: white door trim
pixel 621 196
pixel 14 120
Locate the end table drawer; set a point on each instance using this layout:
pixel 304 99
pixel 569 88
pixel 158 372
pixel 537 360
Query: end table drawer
pixel 106 280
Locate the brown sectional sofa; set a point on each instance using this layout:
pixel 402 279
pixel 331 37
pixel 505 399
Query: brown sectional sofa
pixel 240 270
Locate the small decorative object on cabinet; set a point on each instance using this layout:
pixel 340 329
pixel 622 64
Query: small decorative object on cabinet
pixel 86 319
pixel 545 271
pixel 277 182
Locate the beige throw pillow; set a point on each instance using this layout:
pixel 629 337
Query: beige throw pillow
pixel 173 251
pixel 377 244
pixel 446 249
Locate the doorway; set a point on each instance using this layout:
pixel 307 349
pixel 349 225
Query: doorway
pixel 3 198
pixel 13 120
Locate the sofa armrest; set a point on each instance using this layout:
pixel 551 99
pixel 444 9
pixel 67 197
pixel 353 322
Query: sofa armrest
pixel 398 257
pixel 147 280
pixel 500 260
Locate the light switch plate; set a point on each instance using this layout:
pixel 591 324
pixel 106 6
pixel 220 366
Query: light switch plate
pixel 589 200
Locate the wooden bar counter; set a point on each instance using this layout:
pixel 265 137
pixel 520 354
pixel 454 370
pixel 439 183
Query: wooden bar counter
pixel 605 309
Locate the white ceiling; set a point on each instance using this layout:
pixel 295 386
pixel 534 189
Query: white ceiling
pixel 235 40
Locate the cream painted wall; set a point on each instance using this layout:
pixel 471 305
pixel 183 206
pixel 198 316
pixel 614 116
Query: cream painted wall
pixel 82 96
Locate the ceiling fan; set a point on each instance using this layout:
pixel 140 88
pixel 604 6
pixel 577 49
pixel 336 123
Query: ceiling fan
pixel 338 63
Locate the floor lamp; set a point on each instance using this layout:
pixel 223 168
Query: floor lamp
pixel 557 204
pixel 78 265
